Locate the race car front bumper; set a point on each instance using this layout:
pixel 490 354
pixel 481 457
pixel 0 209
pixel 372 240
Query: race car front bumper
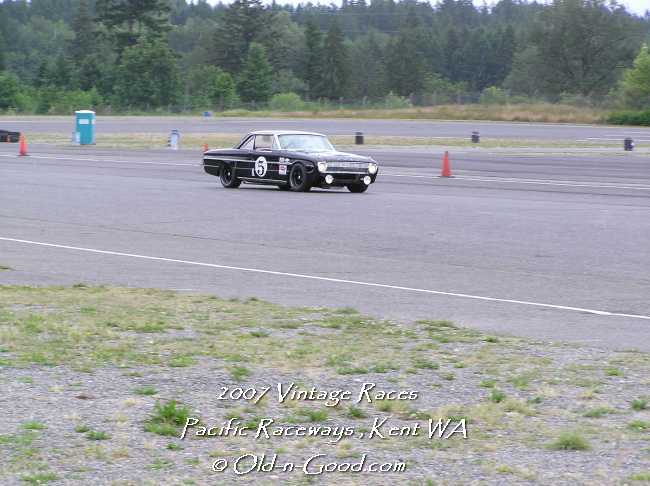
pixel 341 179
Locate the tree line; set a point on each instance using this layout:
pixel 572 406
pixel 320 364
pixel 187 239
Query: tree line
pixel 56 55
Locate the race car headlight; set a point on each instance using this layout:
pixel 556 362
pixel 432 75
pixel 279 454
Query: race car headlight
pixel 322 166
pixel 372 168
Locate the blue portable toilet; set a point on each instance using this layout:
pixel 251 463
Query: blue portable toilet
pixel 85 127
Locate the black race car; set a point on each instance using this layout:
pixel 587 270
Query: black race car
pixel 295 161
pixel 7 136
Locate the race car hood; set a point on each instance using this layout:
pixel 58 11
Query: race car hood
pixel 338 156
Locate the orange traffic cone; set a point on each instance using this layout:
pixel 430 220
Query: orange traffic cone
pixel 205 147
pixel 22 150
pixel 446 166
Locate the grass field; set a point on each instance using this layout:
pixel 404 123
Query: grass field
pixel 99 382
pixel 531 112
pixel 521 112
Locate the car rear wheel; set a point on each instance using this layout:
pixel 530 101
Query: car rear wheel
pixel 228 178
pixel 298 180
pixel 357 188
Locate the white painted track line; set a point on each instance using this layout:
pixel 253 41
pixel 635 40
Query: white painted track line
pixel 327 279
pixel 546 182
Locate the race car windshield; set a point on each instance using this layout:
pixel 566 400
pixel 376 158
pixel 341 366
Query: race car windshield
pixel 305 143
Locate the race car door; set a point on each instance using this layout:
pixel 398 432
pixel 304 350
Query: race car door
pixel 265 159
pixel 245 157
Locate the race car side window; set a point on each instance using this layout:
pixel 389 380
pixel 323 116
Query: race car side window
pixel 263 142
pixel 248 144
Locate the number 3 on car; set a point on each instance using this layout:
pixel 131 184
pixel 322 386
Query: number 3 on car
pixel 295 161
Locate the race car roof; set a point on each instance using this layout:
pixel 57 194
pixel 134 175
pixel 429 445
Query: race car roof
pixel 284 132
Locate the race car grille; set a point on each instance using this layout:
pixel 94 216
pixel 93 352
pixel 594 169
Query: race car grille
pixel 349 167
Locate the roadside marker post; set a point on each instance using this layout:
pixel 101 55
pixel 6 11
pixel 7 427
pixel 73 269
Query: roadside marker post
pixel 174 139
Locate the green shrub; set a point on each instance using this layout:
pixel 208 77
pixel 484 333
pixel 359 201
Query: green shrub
pixel 639 425
pixel 356 413
pixel 574 99
pixel 497 396
pixel 493 96
pixel 570 441
pixel 145 390
pixel 425 364
pixel 9 87
pixel 630 117
pixel 642 476
pixel 598 412
pixel 167 418
pixel 286 102
pixel 97 435
pixel 392 101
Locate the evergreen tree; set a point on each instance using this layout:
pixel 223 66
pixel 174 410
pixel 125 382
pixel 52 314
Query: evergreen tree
pixel 335 69
pixel 241 25
pixel 2 52
pixel 147 76
pixel 42 78
pixel 404 66
pixel 504 54
pixel 130 20
pixel 371 47
pixel 223 91
pixel 368 75
pixel 453 54
pixel 312 67
pixel 581 46
pixel 61 74
pixel 89 73
pixel 85 33
pixel 256 76
pixel 283 40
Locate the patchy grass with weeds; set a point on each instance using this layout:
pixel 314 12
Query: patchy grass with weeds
pixel 144 140
pixel 98 358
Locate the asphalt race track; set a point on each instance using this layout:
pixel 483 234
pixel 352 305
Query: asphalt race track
pixel 541 245
pixel 413 128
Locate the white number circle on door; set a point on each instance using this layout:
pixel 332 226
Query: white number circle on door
pixel 260 167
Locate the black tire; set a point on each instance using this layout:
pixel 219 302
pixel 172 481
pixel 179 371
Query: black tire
pixel 228 179
pixel 357 188
pixel 298 180
pixel 284 187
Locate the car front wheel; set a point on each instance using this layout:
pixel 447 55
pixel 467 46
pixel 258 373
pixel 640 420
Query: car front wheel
pixel 228 178
pixel 298 180
pixel 357 188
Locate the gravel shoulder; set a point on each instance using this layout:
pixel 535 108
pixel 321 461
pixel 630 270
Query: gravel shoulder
pixel 97 384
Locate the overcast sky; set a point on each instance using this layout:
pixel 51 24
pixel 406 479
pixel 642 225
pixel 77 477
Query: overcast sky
pixel 636 6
